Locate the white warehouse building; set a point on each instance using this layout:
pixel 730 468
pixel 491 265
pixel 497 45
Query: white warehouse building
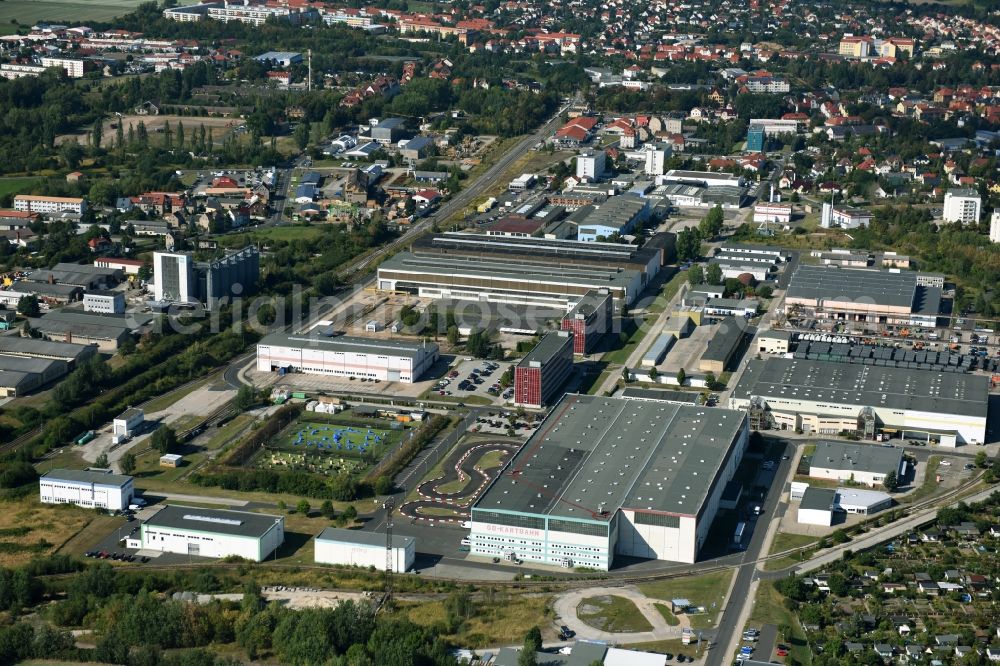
pixel 606 476
pixel 827 398
pixel 346 356
pixel 862 463
pixel 364 549
pixel 189 530
pixel 87 488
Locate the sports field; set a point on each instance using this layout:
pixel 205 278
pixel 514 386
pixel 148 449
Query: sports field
pixel 29 12
pixel 333 438
pixel 328 448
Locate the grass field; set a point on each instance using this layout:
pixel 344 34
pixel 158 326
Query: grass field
pixel 769 608
pixel 668 615
pixel 783 542
pixel 503 620
pixel 28 12
pixel 14 186
pixel 672 646
pixel 704 590
pixel 29 530
pixel 611 613
pixel 928 487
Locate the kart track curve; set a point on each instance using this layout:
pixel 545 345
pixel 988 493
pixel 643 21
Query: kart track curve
pixel 461 465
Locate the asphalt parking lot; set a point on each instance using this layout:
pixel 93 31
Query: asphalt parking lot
pixel 474 377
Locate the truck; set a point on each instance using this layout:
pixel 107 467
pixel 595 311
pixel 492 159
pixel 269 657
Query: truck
pixel 299 395
pixel 85 437
pixel 738 534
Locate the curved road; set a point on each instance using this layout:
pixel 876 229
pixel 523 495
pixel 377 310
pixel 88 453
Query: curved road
pixel 566 604
pixel 460 465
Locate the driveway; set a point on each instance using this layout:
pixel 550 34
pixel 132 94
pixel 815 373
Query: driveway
pixel 565 607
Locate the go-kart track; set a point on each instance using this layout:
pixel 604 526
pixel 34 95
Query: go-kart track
pixel 461 465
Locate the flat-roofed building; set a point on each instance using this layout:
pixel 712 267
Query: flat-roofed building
pixel 772 213
pixel 91 489
pixel 617 215
pixel 42 204
pixel 126 423
pixel 844 217
pixel 825 397
pixel 816 506
pixel 108 302
pixel 607 476
pixel 589 320
pixel 708 179
pixel 364 549
pixel 217 533
pixel 962 205
pixel 648 258
pixel 508 281
pixel 544 370
pixel 860 463
pixel 773 342
pixel 346 356
pixel 867 295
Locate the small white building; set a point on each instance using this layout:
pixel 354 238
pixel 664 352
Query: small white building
pixel 106 302
pixel 522 182
pixel 363 549
pixel 860 463
pixel 817 505
pixel 773 342
pixel 128 422
pixel 86 488
pixel 995 226
pixel 189 530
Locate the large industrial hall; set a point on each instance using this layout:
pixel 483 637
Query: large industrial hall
pixel 826 397
pixel 607 476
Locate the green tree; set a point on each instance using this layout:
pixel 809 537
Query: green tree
pixel 71 153
pixel 303 507
pixel 710 379
pixel 383 485
pixel 713 274
pixel 764 291
pixel 711 225
pixel 28 306
pixel 532 644
pixel 681 377
pixel 246 398
pixel 891 481
pixel 102 461
pixel 453 335
pixel 350 513
pixel 301 135
pixel 127 463
pixel 982 460
pixel 696 275
pixel 327 511
pixel 164 440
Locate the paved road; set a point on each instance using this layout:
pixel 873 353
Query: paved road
pixel 566 604
pixel 730 622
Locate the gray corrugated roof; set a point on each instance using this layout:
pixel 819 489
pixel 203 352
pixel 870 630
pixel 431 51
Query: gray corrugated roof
pixel 859 457
pixel 727 337
pixel 348 343
pixel 666 395
pixel 592 302
pixel 834 283
pixel 597 453
pixel 237 523
pixel 87 476
pixel 821 499
pixel 865 385
pixel 14 344
pixel 362 538
pixel 508 269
